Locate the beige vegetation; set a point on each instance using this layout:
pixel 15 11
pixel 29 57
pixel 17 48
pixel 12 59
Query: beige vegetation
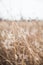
pixel 21 43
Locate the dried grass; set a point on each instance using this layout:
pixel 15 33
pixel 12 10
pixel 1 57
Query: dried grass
pixel 21 43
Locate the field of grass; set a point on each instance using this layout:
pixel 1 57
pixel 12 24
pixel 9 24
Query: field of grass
pixel 21 43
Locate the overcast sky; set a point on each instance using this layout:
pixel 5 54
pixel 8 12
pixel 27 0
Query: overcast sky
pixel 14 9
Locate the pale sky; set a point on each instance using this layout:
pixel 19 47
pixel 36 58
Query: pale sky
pixel 14 9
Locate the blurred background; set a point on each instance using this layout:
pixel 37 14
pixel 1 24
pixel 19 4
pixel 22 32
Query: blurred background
pixel 15 9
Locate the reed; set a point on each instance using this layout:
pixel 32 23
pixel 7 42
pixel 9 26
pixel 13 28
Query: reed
pixel 21 43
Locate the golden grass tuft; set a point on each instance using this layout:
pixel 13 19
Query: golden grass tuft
pixel 21 43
